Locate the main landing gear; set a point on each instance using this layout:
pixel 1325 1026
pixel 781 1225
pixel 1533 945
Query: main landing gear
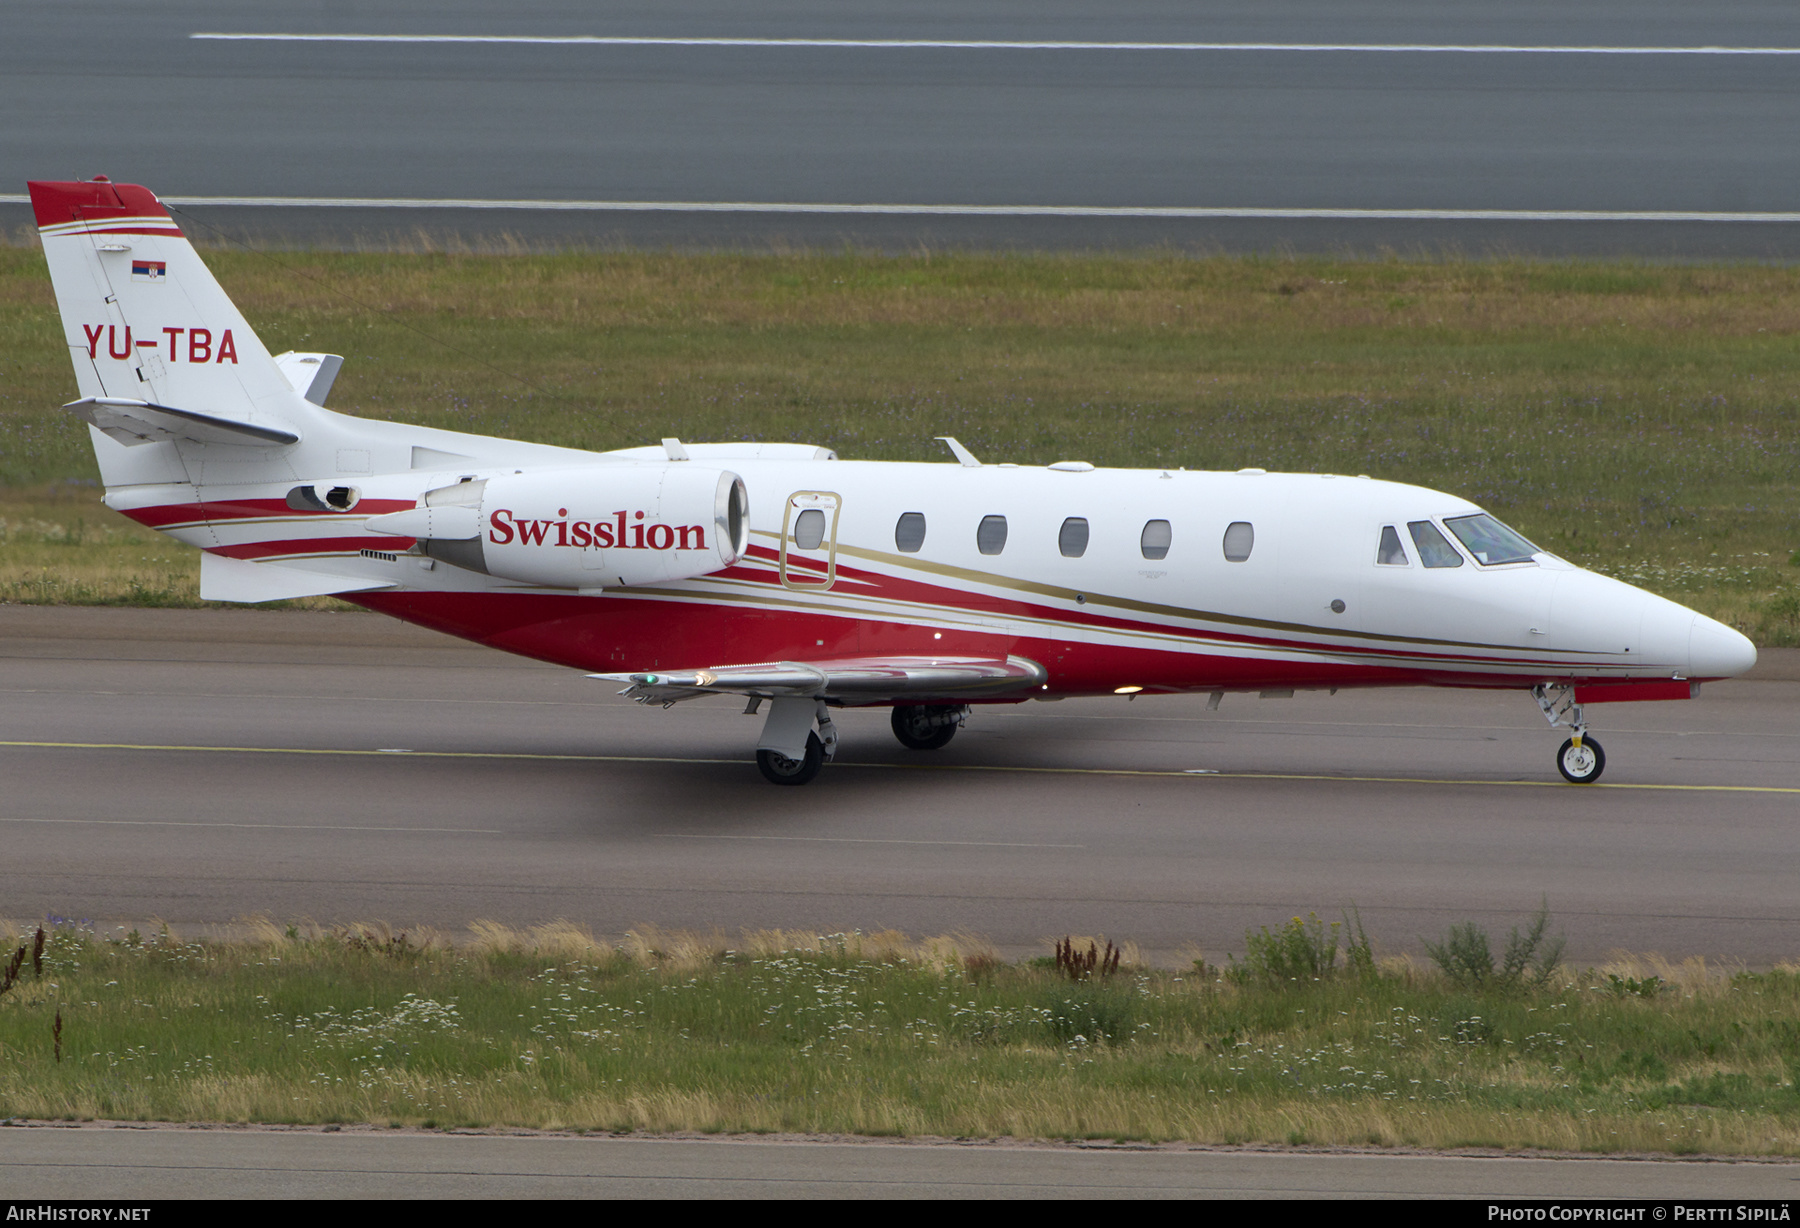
pixel 928 727
pixel 1580 759
pixel 790 753
pixel 778 769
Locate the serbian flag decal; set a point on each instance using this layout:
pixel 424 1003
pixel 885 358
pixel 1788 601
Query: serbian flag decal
pixel 149 270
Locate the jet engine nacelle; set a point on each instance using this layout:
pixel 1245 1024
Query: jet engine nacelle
pixel 599 526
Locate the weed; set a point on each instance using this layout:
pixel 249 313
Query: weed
pixel 1081 966
pixel 1300 951
pixel 1466 957
pixel 1359 951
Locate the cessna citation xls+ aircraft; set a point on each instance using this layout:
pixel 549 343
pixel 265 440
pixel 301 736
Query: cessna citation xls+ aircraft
pixel 783 576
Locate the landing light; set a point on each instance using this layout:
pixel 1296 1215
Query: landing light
pixel 1127 690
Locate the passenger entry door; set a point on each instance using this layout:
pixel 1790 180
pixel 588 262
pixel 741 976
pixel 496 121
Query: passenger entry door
pixel 809 529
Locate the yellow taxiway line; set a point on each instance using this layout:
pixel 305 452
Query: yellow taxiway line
pixel 1193 773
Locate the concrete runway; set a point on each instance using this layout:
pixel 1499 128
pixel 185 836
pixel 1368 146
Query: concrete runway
pixel 199 766
pixel 123 88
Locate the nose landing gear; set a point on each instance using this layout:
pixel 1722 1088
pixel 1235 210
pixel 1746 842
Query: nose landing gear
pixel 1580 759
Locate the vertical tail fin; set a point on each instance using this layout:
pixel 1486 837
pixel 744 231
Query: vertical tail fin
pixel 146 323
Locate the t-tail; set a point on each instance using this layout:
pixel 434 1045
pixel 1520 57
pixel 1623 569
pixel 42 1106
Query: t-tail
pixel 203 434
pixel 160 353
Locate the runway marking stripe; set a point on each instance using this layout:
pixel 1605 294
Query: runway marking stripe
pixel 1176 212
pixel 980 844
pixel 460 831
pixel 952 44
pixel 1185 773
pixel 385 754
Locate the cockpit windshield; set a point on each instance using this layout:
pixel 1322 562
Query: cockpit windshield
pixel 1491 542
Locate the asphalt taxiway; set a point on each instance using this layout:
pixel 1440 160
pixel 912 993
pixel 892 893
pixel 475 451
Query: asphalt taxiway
pixel 201 766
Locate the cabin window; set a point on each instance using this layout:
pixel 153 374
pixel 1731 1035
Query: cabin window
pixel 1434 551
pixel 990 538
pixel 1491 542
pixel 909 534
pixel 1240 539
pixel 1073 538
pixel 1154 540
pixel 1391 552
pixel 809 529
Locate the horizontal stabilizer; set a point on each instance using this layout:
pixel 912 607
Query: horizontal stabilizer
pixel 854 680
pixel 134 422
pixel 227 579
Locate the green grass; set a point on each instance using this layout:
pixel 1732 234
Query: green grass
pixel 878 1036
pixel 1639 419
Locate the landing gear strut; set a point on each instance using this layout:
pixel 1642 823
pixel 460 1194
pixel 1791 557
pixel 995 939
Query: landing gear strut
pixel 1580 759
pixel 927 727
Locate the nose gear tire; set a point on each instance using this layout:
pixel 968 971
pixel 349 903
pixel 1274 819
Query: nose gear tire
pixel 1581 765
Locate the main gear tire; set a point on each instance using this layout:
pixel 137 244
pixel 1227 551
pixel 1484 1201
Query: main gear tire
pixel 778 769
pixel 914 726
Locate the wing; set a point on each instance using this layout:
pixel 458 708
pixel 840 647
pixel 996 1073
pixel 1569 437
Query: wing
pixel 851 680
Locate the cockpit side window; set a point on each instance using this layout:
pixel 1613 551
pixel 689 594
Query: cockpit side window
pixel 1434 551
pixel 1491 542
pixel 1391 553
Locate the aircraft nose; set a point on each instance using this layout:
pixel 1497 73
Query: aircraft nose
pixel 1716 651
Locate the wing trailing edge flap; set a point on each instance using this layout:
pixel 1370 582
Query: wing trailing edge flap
pixel 240 580
pixel 134 422
pixel 856 680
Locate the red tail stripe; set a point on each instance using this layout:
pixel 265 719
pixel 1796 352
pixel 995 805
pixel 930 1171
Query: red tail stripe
pixel 54 203
pixel 134 230
pixel 312 545
pixel 245 509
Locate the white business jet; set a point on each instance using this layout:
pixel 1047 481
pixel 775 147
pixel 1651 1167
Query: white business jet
pixel 784 576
